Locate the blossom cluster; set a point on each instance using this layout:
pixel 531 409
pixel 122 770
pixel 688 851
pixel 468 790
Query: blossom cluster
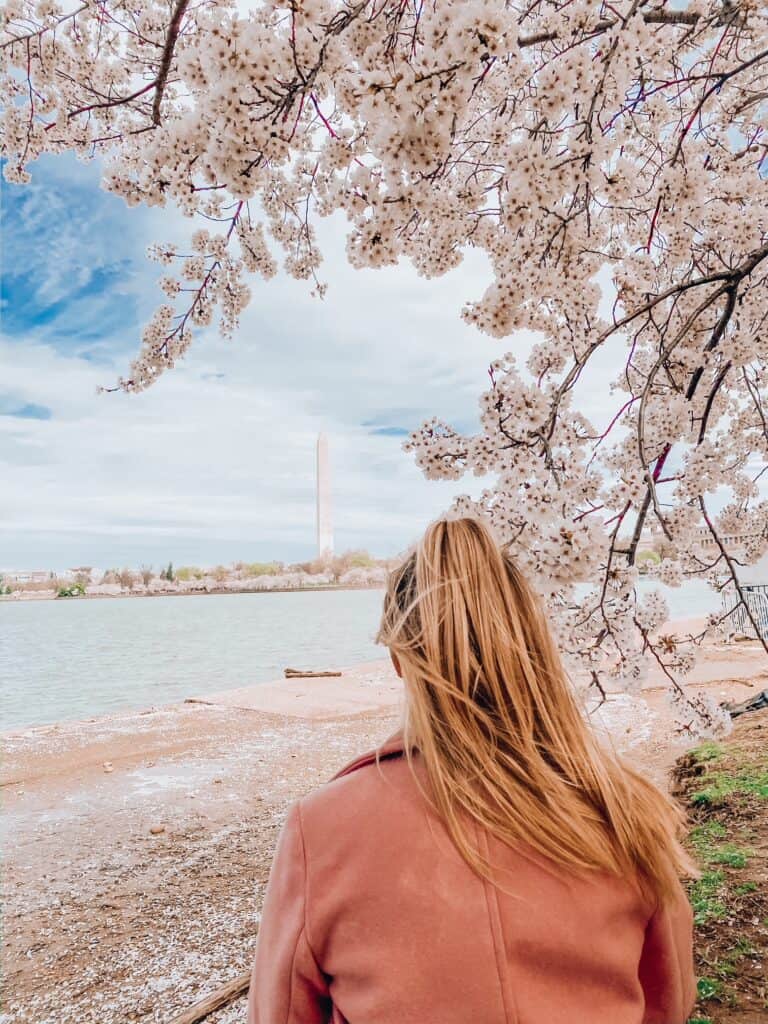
pixel 611 161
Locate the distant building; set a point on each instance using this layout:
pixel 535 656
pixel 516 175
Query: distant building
pixel 324 519
pixel 736 545
pixel 81 570
pixel 29 576
pixel 731 541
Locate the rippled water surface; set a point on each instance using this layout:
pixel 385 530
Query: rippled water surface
pixel 71 659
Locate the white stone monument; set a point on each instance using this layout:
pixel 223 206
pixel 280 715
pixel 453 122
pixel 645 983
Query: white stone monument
pixel 324 523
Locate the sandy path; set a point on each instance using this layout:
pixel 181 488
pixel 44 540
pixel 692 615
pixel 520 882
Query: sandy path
pixel 109 921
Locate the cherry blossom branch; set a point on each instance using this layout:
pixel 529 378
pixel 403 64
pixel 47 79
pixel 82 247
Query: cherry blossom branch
pixel 660 17
pixel 733 574
pixel 28 36
pixel 174 29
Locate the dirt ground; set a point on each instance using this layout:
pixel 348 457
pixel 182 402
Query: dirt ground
pixel 137 856
pixel 137 847
pixel 725 788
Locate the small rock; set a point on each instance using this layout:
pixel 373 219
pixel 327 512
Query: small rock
pixel 108 766
pixel 155 830
pixel 216 782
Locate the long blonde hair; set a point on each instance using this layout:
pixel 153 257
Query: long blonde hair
pixel 493 714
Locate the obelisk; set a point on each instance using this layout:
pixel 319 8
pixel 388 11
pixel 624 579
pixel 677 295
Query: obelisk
pixel 324 524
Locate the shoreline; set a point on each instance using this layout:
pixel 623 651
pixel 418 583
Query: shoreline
pixel 271 697
pixel 45 595
pixel 353 692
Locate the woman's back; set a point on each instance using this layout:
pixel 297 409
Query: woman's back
pixel 498 865
pixel 373 917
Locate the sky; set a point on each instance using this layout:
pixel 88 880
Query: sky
pixel 215 463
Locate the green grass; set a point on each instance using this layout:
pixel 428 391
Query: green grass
pixel 719 785
pixel 708 988
pixel 705 898
pixel 731 856
pixel 729 965
pixel 745 888
pixel 727 778
pixel 744 948
pixel 705 839
pixel 707 751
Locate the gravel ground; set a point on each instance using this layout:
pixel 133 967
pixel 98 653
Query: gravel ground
pixel 137 847
pixel 109 919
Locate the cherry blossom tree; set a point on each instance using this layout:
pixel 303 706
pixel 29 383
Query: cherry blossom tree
pixel 609 158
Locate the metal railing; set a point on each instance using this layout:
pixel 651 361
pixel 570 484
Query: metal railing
pixel 756 597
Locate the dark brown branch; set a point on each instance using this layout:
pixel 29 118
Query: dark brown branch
pixel 650 646
pixel 116 102
pixel 714 341
pixel 722 79
pixel 733 573
pixel 158 84
pixel 710 400
pixel 671 18
pixel 733 276
pixel 651 18
pixel 720 326
pixel 165 61
pixel 223 995
pixel 755 395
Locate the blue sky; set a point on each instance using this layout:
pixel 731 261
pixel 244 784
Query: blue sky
pixel 215 463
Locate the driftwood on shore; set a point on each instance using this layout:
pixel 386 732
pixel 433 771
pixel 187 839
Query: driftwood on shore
pixel 221 997
pixel 757 702
pixel 298 673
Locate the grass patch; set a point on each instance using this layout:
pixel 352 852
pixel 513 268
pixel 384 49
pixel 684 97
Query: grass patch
pixel 708 988
pixel 731 856
pixel 745 888
pixel 707 751
pixel 705 895
pixel 724 788
pixel 721 785
pixel 706 840
pixel 729 966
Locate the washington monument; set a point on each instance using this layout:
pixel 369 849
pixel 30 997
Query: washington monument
pixel 324 523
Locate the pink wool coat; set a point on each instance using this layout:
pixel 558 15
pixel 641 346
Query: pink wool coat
pixel 372 917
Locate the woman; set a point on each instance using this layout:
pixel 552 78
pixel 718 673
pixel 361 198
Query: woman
pixel 490 863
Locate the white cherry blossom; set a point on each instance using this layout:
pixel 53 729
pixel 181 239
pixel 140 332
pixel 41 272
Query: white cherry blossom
pixel 566 139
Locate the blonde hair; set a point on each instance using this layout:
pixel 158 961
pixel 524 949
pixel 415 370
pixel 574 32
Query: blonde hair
pixel 494 717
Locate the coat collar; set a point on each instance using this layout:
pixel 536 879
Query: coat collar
pixel 392 747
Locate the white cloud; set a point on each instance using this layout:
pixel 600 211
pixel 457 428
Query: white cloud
pixel 216 461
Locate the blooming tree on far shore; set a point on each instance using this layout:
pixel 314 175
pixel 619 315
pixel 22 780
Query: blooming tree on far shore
pixel 611 159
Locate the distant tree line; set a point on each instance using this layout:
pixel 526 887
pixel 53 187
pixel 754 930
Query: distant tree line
pixel 77 581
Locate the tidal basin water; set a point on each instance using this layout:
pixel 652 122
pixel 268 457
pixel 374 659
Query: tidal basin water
pixel 72 659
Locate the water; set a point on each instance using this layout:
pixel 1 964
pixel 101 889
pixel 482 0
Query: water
pixel 77 659
pixel 70 659
pixel 693 600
